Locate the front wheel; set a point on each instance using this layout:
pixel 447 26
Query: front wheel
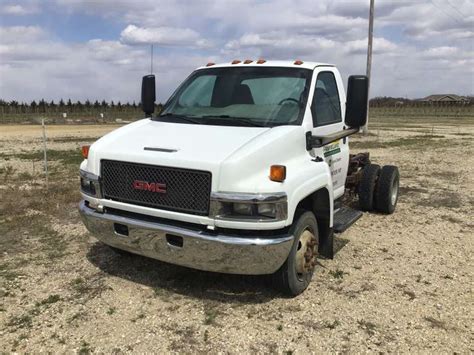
pixel 296 273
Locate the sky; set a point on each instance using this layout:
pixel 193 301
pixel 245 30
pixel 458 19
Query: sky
pixel 91 49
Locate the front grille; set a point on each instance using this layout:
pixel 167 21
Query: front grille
pixel 186 190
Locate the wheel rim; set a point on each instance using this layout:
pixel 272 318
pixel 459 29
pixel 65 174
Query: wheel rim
pixel 306 253
pixel 394 195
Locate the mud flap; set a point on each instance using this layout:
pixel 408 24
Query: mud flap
pixel 326 243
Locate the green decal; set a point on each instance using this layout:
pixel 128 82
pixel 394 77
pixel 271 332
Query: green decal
pixel 332 152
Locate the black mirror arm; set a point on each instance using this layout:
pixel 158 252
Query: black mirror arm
pixel 321 141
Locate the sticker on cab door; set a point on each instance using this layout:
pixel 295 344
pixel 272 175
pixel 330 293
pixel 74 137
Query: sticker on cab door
pixel 331 149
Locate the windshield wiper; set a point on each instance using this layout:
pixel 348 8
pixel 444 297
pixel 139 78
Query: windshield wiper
pixel 181 117
pixel 230 119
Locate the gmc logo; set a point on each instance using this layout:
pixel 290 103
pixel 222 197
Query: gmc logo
pixel 149 186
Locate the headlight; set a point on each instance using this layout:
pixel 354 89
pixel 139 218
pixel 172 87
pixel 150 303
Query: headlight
pixel 90 184
pixel 249 207
pixel 243 208
pixel 267 210
pixel 87 186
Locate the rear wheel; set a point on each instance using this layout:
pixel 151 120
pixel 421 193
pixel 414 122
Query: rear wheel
pixel 370 174
pixel 296 273
pixel 386 191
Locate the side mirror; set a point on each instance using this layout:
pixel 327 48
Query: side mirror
pixel 357 100
pixel 148 94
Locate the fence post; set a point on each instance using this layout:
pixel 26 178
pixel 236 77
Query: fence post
pixel 45 154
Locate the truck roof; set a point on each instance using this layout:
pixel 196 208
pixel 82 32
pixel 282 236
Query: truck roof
pixel 268 63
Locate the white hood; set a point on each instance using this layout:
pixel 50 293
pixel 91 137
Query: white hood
pixel 192 146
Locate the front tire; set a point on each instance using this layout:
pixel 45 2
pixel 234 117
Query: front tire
pixel 296 273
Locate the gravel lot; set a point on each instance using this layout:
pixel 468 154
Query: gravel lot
pixel 398 283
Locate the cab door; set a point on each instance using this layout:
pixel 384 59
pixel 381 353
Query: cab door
pixel 327 109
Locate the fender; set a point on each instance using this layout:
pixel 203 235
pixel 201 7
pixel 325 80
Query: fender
pixel 313 177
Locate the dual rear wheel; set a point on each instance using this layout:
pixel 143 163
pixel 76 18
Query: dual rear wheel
pixel 379 188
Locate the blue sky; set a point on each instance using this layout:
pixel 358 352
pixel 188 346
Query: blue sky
pixel 100 49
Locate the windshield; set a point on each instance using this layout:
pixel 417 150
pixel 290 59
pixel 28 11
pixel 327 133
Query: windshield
pixel 253 96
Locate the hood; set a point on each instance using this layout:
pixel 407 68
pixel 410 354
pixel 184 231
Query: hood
pixel 202 147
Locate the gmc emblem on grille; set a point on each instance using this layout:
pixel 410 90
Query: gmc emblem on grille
pixel 149 186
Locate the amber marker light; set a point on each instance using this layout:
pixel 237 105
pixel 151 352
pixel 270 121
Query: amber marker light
pixel 278 173
pixel 298 62
pixel 248 61
pixel 210 64
pixel 236 61
pixel 85 151
pixel 261 61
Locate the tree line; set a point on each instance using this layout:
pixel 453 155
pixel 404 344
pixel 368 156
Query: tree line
pixel 68 106
pixel 43 106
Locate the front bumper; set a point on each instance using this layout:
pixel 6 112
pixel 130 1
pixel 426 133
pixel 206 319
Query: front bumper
pixel 185 246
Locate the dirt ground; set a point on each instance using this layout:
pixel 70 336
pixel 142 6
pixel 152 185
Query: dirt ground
pixel 398 283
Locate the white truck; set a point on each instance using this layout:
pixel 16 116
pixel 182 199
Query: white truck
pixel 243 171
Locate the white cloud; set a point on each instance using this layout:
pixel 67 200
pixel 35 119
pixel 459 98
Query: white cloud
pixel 167 36
pixel 414 40
pixel 17 10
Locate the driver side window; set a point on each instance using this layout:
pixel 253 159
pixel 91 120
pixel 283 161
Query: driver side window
pixel 326 107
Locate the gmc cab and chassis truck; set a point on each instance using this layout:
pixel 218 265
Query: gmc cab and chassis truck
pixel 243 171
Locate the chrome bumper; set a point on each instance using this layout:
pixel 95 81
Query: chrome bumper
pixel 251 255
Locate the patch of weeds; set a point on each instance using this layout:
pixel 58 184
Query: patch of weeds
pixel 74 139
pixel 68 157
pixel 321 325
pixel 333 325
pixel 24 175
pixel 138 317
pixel 337 274
pixel 85 348
pixel 280 327
pixel 206 336
pixel 111 310
pixel 58 338
pixel 90 288
pixel 385 250
pixel 442 198
pixel 47 301
pixel 21 321
pixel 76 316
pixel 187 338
pixel 367 326
pixel 7 171
pixel 452 219
pixel 210 314
pixel 7 272
pixel 162 293
pixel 436 323
pixel 411 295
pixel 414 142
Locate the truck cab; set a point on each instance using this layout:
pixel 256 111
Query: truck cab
pixel 241 172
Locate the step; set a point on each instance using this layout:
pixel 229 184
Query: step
pixel 344 218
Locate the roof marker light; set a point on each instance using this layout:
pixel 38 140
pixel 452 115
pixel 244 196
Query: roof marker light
pixel 248 61
pixel 210 64
pixel 236 61
pixel 298 62
pixel 261 61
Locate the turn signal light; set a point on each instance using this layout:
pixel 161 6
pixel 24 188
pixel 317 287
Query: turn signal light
pixel 261 61
pixel 278 173
pixel 236 61
pixel 298 62
pixel 85 151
